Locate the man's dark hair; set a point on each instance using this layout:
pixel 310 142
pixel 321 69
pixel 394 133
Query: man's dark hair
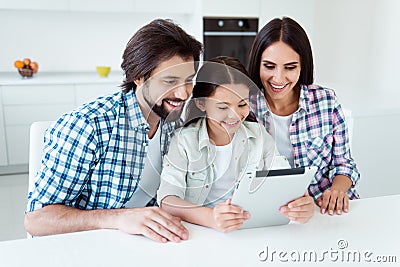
pixel 154 43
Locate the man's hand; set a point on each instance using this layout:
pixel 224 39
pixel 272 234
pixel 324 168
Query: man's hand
pixel 152 222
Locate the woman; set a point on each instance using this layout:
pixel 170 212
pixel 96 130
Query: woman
pixel 306 120
pixel 220 142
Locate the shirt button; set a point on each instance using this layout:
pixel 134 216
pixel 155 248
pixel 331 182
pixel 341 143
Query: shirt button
pixel 212 165
pixel 206 185
pixel 236 158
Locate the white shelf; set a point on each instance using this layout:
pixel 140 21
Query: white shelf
pixel 41 78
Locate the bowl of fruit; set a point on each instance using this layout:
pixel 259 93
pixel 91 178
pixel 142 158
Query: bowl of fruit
pixel 26 67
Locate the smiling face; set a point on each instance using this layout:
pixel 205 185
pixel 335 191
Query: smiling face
pixel 226 109
pixel 169 86
pixel 279 72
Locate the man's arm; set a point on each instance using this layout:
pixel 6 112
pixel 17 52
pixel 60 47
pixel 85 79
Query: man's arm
pixel 151 222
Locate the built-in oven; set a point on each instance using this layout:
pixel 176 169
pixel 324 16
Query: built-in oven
pixel 229 37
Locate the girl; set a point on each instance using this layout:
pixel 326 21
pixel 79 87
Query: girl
pixel 309 124
pixel 219 143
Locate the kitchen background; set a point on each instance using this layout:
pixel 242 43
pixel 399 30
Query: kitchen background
pixel 356 52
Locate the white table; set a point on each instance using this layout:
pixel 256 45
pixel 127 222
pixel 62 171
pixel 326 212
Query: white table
pixel 371 227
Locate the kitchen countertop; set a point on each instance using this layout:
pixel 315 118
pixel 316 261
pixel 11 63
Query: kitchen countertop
pixel 365 107
pixel 14 169
pixel 13 78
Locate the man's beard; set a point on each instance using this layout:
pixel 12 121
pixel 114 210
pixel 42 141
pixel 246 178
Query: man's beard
pixel 162 112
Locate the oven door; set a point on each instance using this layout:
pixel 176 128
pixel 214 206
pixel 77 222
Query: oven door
pixel 229 37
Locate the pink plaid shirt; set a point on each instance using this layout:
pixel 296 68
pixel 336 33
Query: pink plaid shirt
pixel 319 137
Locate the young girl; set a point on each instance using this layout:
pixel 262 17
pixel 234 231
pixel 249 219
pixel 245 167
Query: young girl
pixel 219 143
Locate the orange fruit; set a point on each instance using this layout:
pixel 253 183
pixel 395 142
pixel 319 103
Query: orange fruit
pixel 19 64
pixel 27 61
pixel 34 66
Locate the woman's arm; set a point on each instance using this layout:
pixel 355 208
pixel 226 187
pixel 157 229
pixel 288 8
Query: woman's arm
pixel 345 173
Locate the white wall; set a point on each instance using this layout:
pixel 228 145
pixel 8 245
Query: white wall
pixel 356 49
pixel 376 149
pixel 302 11
pixel 71 41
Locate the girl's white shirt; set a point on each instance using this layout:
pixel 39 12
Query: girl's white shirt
pixel 188 168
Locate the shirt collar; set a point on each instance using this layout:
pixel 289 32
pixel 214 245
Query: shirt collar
pixel 204 140
pixel 304 98
pixel 264 110
pixel 135 115
pixel 136 118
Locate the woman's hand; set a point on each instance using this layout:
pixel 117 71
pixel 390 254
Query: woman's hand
pixel 300 210
pixel 228 217
pixel 335 198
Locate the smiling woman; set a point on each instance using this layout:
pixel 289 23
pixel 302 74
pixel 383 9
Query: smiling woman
pixel 279 72
pixel 306 120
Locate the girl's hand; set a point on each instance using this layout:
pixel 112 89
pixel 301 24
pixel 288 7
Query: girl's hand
pixel 300 210
pixel 333 200
pixel 228 217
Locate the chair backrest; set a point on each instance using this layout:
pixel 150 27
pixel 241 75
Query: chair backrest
pixel 36 142
pixel 350 124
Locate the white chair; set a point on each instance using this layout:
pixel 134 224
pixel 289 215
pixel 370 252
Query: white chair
pixel 36 142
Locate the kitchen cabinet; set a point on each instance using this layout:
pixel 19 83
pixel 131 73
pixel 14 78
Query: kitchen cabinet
pixel 3 147
pixel 42 99
pixel 233 8
pixel 131 6
pixel 34 5
pixel 162 6
pixel 85 93
pixel 101 5
pixel 23 105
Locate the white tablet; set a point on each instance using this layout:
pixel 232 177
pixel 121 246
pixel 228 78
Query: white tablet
pixel 262 193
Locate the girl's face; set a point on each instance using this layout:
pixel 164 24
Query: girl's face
pixel 279 71
pixel 227 108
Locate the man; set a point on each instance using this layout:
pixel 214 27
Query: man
pixel 95 156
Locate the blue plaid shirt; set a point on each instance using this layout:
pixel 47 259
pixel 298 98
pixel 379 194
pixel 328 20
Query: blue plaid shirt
pixel 94 156
pixel 319 137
